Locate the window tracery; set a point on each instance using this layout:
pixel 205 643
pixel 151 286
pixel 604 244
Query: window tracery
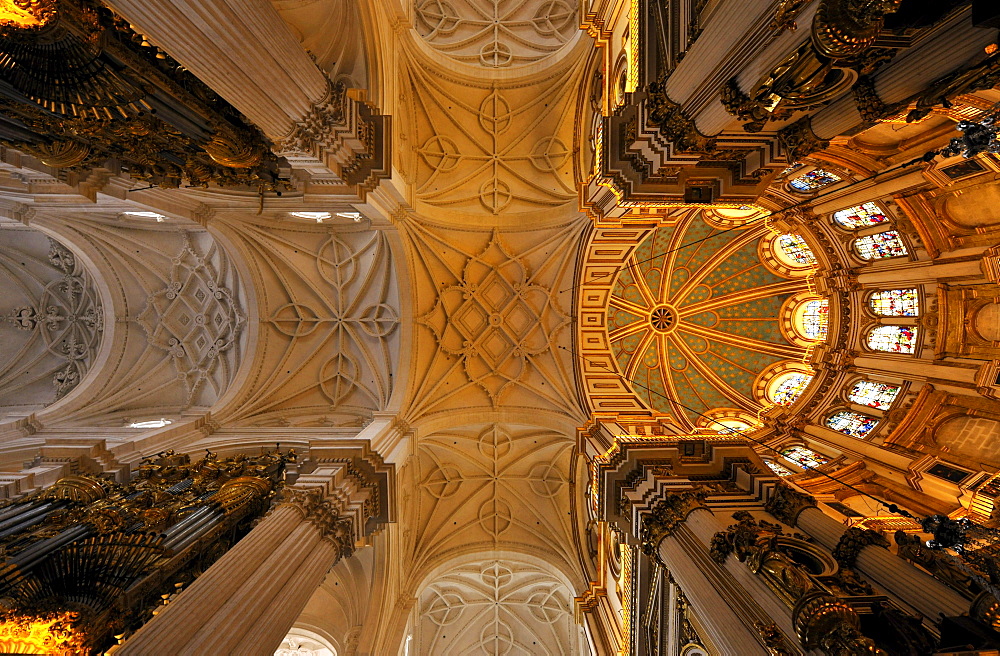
pixel 813 180
pixel 893 339
pixel 860 216
pixel 788 387
pixel 873 394
pixel 895 303
pixel 815 322
pixel 880 245
pixel 795 250
pixel 804 457
pixel 852 423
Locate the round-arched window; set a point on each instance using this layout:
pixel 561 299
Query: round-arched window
pixel 794 251
pixel 860 216
pixel 880 245
pixel 893 339
pixel 852 423
pixel 786 388
pixel 895 302
pixel 874 394
pixel 804 457
pixel 813 180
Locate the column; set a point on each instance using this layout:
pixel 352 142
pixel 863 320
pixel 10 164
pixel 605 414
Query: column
pixel 246 602
pixel 699 579
pixel 914 587
pixel 914 273
pixel 242 49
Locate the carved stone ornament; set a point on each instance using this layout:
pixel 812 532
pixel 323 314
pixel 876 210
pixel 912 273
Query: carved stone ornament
pixel 786 13
pixel 774 640
pixel 323 515
pixel 673 124
pixel 311 134
pixel 752 113
pixel 786 503
pixel 871 107
pixel 853 541
pixel 669 513
pixel 800 140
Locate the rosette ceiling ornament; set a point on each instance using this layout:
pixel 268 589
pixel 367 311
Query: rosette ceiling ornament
pixel 81 88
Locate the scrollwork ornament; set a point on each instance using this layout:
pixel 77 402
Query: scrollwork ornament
pixel 800 140
pixel 853 541
pixel 824 622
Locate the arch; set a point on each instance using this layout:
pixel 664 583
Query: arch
pixel 805 319
pixel 864 215
pixel 873 394
pixel 852 423
pixel 881 245
pixel 783 383
pixel 893 339
pixel 904 302
pixel 973 437
pixel 727 421
pixel 787 254
pixel 778 468
pixel 303 642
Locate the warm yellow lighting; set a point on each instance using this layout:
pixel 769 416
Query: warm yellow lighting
pixel 52 634
pixel 990 49
pixel 26 13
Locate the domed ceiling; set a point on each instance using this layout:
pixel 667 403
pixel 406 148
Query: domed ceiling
pixel 694 318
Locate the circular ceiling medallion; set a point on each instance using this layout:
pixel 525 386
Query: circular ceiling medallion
pixel 663 319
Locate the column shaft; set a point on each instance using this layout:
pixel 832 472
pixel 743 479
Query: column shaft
pixel 920 590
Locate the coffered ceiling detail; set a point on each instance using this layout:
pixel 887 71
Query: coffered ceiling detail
pixel 496 606
pixel 51 320
pixel 328 340
pixel 496 33
pixel 490 333
pixel 487 147
pixel 477 490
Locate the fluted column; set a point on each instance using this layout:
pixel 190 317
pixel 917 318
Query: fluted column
pixel 240 48
pixel 917 588
pixel 246 602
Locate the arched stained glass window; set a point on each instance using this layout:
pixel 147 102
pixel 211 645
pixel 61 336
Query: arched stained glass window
pixel 895 303
pixel 874 395
pixel 813 180
pixel 788 387
pixel 780 470
pixel 860 216
pixel 893 339
pixel 852 423
pixel 800 455
pixel 730 426
pixel 880 245
pixel 816 319
pixel 796 250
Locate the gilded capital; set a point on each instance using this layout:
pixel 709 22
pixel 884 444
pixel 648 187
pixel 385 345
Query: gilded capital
pixel 669 513
pixel 786 503
pixel 853 541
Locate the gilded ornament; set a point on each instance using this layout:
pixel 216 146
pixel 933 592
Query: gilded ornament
pixel 824 622
pixel 675 126
pixel 787 502
pixel 667 514
pixel 853 541
pixel 800 140
pixel 984 75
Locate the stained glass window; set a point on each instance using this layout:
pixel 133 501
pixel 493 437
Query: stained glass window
pixel 780 470
pixel 860 216
pixel 789 387
pixel 730 426
pixel 893 339
pixel 816 319
pixel 895 303
pixel 852 423
pixel 800 455
pixel 874 395
pixel 791 167
pixel 796 250
pixel 813 180
pixel 880 245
